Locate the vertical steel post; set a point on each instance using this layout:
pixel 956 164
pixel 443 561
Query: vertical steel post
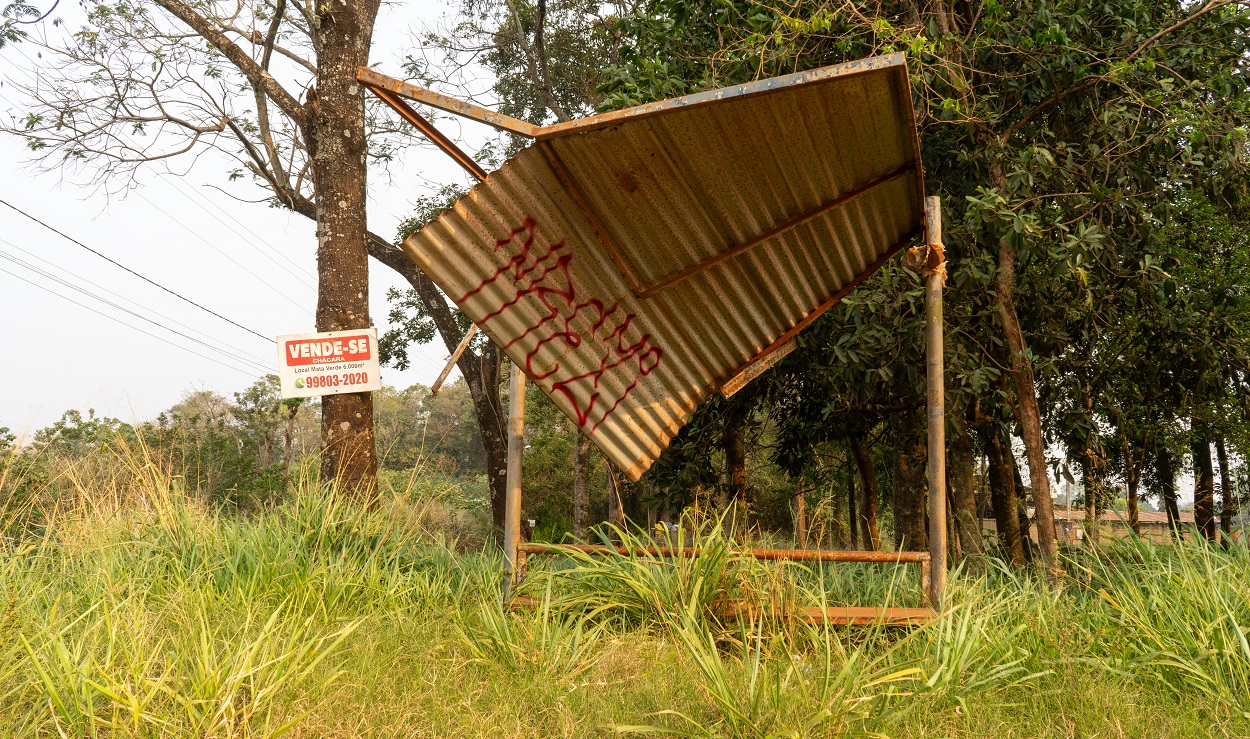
pixel 936 406
pixel 516 449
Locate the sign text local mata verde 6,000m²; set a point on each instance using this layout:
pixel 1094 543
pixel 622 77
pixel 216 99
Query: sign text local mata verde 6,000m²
pixel 329 363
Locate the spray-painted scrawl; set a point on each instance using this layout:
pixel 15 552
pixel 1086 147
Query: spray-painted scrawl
pixel 569 317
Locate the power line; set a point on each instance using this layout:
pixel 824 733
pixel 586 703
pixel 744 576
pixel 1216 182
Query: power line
pixel 200 203
pixel 256 363
pixel 212 246
pixel 223 346
pixel 150 281
pixel 249 373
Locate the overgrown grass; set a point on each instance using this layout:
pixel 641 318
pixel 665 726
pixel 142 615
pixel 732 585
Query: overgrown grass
pixel 135 610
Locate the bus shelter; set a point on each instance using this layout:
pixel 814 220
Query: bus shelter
pixel 633 263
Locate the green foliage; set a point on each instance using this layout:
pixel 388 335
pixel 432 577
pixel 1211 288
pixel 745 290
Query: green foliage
pixel 161 617
pixel 410 321
pixel 15 15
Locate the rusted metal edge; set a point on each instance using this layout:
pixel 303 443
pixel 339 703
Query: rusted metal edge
pixel 596 225
pixel 376 80
pixel 427 128
pixel 795 555
pixel 755 369
pixel 836 615
pixel 777 230
pixel 903 79
pixel 711 97
pixel 820 310
pixel 455 357
pixel 831 615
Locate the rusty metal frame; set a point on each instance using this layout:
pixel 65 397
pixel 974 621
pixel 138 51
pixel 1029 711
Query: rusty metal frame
pixel 777 230
pixel 835 615
pixel 748 373
pixel 433 134
pixel 758 366
pixel 699 99
pixel 596 224
pixel 376 81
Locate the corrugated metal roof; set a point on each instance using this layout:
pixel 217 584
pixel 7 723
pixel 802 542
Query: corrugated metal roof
pixel 633 262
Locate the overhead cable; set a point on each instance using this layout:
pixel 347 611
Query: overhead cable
pixel 222 345
pixel 148 280
pixel 42 273
pixel 250 373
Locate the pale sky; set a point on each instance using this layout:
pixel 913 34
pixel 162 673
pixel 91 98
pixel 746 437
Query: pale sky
pixel 249 262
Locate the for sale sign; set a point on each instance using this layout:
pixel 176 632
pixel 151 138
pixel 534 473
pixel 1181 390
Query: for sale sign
pixel 329 363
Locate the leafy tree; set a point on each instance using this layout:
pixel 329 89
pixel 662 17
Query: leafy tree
pixel 1052 129
pixel 269 84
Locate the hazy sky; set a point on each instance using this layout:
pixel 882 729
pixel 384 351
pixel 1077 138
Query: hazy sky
pixel 249 262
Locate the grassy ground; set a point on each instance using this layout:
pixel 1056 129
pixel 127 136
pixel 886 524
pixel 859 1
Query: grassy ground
pixel 153 616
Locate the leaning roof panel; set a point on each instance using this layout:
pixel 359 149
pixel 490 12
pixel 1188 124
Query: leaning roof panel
pixel 633 262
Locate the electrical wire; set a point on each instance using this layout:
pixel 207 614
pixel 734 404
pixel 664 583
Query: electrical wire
pixel 259 365
pixel 213 246
pixel 175 181
pixel 249 373
pixel 148 280
pixel 223 345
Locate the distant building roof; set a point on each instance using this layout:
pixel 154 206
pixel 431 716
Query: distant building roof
pixel 1148 517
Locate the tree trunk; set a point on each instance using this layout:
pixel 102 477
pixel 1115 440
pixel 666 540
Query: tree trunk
pixel 852 510
pixel 962 475
pixel 1003 497
pixel 1132 479
pixel 736 459
pixel 1229 509
pixel 338 152
pixel 288 437
pixel 481 373
pixel 581 485
pixel 1092 484
pixel 800 519
pixel 910 488
pixel 1027 412
pixel 1165 471
pixel 868 516
pixel 616 506
pixel 1204 482
pixel 1022 507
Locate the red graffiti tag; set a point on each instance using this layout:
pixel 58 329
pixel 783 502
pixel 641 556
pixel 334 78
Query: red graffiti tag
pixel 543 273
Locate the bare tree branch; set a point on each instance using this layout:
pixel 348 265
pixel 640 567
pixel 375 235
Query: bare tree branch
pixel 540 74
pixel 257 75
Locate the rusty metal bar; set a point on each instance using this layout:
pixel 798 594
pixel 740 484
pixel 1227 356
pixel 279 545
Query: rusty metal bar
pixel 799 220
pixel 926 581
pixel 796 555
pixel 700 99
pixel 785 338
pixel 757 368
pixel 516 449
pixel 427 128
pixel 570 186
pixel 377 81
pixel 838 615
pixel 455 357
pixel 831 615
pixel 935 378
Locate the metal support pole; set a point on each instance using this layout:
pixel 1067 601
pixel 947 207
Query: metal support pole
pixel 516 449
pixel 936 406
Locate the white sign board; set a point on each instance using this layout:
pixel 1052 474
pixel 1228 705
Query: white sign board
pixel 329 363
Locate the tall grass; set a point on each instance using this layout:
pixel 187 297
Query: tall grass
pixel 135 609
